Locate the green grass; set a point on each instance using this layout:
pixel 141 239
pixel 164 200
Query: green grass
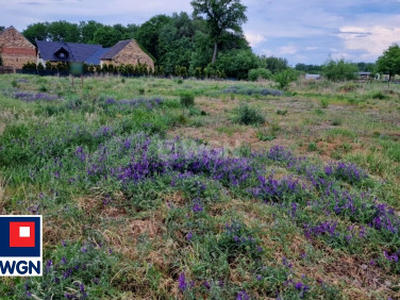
pixel 184 233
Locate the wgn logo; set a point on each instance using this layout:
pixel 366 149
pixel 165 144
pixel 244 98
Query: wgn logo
pixel 21 246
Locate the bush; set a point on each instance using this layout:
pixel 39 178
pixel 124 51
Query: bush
pixel 379 95
pixel 340 70
pixel 259 73
pixel 285 77
pixel 324 103
pixel 186 100
pixel 248 116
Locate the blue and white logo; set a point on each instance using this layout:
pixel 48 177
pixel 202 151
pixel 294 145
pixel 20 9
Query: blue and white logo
pixel 21 246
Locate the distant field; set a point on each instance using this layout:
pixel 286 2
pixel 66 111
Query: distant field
pixel 252 193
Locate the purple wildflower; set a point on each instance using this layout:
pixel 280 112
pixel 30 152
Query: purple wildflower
pixel 242 295
pixel 182 282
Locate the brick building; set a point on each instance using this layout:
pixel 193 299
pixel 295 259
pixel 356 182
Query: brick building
pixel 15 49
pixel 126 52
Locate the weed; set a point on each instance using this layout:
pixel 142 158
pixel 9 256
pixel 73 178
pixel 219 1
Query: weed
pixel 312 147
pixel 282 112
pixel 379 95
pixel 324 103
pixel 248 116
pixel 337 122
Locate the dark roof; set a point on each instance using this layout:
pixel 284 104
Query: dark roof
pixel 364 73
pixel 76 52
pixel 115 49
pixel 95 58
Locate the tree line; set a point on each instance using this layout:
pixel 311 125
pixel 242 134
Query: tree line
pixel 210 41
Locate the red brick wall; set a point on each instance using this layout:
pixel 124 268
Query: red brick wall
pixel 15 49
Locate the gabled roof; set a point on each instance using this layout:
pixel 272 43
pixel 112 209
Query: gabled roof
pixel 95 58
pixel 77 52
pixel 12 28
pixel 115 49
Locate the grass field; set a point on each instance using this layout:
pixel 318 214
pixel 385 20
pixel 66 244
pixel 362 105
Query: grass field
pixel 251 193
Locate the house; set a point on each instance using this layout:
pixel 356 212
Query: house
pixel 15 49
pixel 126 52
pixel 313 76
pixel 56 52
pixel 364 75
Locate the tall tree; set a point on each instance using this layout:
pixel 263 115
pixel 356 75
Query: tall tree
pixel 390 61
pixel 64 31
pixel 37 31
pixel 221 16
pixel 107 36
pixel 340 70
pixel 88 29
pixel 148 34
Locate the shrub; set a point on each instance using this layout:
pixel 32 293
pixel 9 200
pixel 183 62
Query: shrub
pixel 312 147
pixel 324 103
pixel 248 116
pixel 337 122
pixel 285 77
pixel 187 99
pixel 282 112
pixel 340 70
pixel 259 73
pixel 379 95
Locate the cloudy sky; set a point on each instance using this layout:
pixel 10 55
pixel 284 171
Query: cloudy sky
pixel 309 31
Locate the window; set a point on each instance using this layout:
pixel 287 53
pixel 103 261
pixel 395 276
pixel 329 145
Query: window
pixel 61 55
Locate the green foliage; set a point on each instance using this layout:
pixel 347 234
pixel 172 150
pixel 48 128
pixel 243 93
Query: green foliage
pixel 285 77
pixel 389 61
pixel 237 63
pixel 379 95
pixel 187 99
pixel 77 270
pixel 221 16
pixel 90 32
pixel 282 112
pixel 340 70
pixel 311 69
pixel 248 115
pixel 312 147
pixel 259 73
pixel 274 64
pixel 324 103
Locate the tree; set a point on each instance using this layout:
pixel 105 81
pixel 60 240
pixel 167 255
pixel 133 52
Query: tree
pixel 340 70
pixel 148 34
pixel 88 29
pixel 107 36
pixel 390 61
pixel 274 64
pixel 221 16
pixel 60 31
pixel 37 31
pixel 285 77
pixel 313 69
pixel 237 63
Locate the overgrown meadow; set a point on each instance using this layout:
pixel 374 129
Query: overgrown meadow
pixel 162 189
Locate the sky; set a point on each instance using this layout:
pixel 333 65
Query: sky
pixel 307 31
